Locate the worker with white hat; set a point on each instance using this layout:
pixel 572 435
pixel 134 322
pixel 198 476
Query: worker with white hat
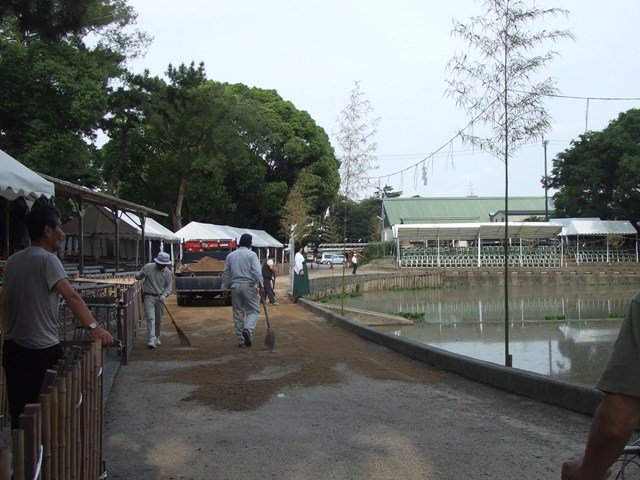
pixel 158 285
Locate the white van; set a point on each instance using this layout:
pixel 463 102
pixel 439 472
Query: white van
pixel 325 257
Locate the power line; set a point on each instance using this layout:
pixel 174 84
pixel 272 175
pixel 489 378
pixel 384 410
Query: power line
pixel 428 157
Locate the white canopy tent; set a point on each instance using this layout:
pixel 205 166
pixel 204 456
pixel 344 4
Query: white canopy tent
pixel 594 227
pixel 203 231
pixel 16 181
pixel 472 231
pixel 207 231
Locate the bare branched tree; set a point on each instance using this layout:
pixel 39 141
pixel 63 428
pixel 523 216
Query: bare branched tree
pixel 355 136
pixel 494 82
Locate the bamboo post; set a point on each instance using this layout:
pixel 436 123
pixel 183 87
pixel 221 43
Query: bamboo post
pixel 84 425
pixel 97 423
pixel 62 441
pixel 18 454
pixel 96 372
pixel 74 436
pixel 5 463
pixel 45 402
pixel 30 422
pixel 53 391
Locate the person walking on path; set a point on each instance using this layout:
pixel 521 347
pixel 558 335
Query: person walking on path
pixel 618 414
pixel 354 262
pixel 158 285
pixel 34 280
pixel 301 276
pixel 269 280
pixel 241 274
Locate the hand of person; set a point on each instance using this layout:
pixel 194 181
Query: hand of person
pixel 162 298
pixel 571 467
pixel 262 292
pixel 103 336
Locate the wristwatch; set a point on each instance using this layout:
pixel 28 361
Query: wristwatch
pixel 92 326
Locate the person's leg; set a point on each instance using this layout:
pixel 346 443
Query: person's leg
pixel 268 288
pixel 237 306
pixel 150 315
pixel 252 308
pixel 158 320
pixel 24 372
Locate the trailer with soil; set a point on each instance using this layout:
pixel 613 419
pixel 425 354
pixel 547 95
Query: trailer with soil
pixel 201 273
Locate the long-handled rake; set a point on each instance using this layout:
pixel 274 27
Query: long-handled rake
pixel 184 340
pixel 270 337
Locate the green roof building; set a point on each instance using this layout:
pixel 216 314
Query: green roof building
pixel 460 210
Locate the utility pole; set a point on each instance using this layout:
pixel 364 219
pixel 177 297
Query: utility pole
pixel 546 188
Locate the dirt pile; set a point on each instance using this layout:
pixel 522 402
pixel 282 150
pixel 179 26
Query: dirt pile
pixel 205 264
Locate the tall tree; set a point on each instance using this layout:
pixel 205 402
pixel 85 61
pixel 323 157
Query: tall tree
pixel 494 83
pixel 55 80
pixel 356 139
pixel 599 174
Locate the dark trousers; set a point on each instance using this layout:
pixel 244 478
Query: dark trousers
pixel 24 370
pixel 268 289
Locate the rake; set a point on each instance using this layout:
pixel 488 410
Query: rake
pixel 184 340
pixel 270 337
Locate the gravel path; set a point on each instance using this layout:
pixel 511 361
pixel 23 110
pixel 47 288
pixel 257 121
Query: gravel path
pixel 323 404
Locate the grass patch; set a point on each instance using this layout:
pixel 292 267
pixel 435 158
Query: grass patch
pixel 616 315
pixel 330 298
pixel 555 317
pixel 417 289
pixel 410 315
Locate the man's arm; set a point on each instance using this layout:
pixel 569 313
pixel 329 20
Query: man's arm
pixel 168 284
pixel 82 312
pixel 141 274
pixel 613 423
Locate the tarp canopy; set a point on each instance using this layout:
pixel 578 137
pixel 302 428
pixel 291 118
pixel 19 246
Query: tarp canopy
pixel 209 231
pixel 16 180
pixel 469 231
pixel 593 226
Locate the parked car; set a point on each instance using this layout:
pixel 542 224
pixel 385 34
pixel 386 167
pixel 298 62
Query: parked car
pixel 323 258
pixel 336 259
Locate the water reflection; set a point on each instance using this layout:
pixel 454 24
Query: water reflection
pixel 563 332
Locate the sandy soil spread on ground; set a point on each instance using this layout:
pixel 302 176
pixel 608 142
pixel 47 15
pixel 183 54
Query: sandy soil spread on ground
pixel 306 353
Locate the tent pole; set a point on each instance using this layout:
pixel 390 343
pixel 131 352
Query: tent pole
pixel 116 213
pixel 80 207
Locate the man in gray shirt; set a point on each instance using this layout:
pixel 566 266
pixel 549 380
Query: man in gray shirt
pixel 241 275
pixel 34 281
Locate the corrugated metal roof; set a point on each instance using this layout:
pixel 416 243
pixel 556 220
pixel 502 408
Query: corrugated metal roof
pixel 455 210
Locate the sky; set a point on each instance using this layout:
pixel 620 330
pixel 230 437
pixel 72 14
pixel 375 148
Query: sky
pixel 312 52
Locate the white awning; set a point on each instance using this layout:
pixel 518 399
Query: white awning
pixel 470 231
pixel 16 180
